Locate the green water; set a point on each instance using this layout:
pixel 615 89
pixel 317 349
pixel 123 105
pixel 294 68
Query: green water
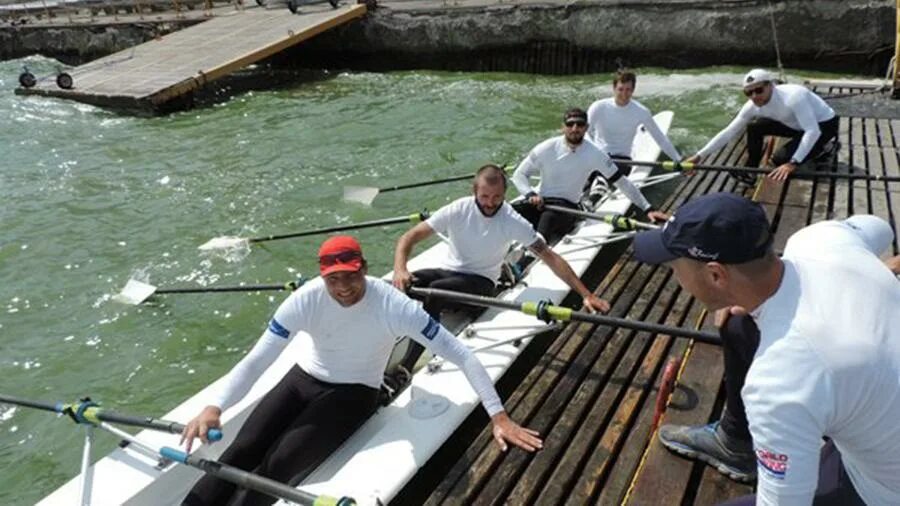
pixel 91 198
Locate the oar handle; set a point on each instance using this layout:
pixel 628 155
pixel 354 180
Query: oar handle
pixel 252 481
pixel 87 412
pixel 689 166
pixel 412 218
pixel 548 312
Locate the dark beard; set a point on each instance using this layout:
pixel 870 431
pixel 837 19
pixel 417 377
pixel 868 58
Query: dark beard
pixel 485 214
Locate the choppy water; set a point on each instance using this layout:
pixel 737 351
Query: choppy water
pixel 91 198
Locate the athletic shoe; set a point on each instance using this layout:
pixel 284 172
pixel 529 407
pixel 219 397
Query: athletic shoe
pixel 708 443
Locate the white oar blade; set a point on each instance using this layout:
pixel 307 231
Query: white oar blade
pixel 362 194
pixel 224 242
pixel 135 292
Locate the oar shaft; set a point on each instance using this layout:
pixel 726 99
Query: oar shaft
pixel 563 314
pixel 461 177
pixel 413 218
pixel 757 170
pixel 614 219
pixel 241 478
pixel 243 288
pixel 93 413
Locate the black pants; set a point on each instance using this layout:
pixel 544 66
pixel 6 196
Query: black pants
pixel 293 428
pixel 761 127
pixel 552 225
pixel 740 339
pixel 445 280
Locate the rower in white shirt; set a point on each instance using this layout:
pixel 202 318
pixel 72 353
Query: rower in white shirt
pixel 783 110
pixel 615 121
pixel 479 229
pixel 811 349
pixel 564 164
pixel 347 324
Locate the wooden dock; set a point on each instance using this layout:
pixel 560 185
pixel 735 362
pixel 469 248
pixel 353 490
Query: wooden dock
pixel 594 392
pixel 164 73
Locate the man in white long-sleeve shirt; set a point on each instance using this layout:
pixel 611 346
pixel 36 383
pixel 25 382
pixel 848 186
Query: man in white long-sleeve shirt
pixel 347 324
pixel 816 352
pixel 614 122
pixel 784 110
pixel 564 164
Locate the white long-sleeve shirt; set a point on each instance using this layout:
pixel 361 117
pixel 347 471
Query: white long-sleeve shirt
pixel 564 171
pixel 613 127
pixel 791 105
pixel 351 344
pixel 828 364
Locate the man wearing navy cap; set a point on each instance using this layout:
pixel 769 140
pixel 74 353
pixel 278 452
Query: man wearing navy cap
pixel 811 348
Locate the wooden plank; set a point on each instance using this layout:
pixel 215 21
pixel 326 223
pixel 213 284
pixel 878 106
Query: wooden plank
pixel 859 190
pixel 664 478
pixel 467 477
pixel 188 59
pixel 604 348
pixel 841 193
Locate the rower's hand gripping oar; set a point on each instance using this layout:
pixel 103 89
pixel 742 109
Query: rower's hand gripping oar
pixel 690 167
pixel 227 242
pixel 87 412
pixel 544 310
pixel 135 292
pixel 366 194
pixel 618 221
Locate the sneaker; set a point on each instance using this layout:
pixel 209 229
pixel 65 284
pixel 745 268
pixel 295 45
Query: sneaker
pixel 707 443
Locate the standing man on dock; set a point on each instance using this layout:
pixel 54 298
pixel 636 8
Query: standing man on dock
pixel 565 163
pixel 784 110
pixel 614 122
pixel 347 323
pixel 811 349
pixel 479 229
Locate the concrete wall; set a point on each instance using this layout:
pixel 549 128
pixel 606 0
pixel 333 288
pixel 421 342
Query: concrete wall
pixel 550 36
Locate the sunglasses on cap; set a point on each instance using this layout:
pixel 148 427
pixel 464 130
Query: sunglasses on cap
pixel 343 257
pixel 574 122
pixel 755 91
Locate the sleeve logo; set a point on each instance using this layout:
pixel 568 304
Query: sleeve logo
pixel 277 329
pixel 431 329
pixel 774 464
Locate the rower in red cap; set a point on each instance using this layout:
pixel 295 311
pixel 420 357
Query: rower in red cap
pixel 347 323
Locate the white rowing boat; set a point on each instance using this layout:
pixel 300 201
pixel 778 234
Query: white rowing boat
pixel 387 451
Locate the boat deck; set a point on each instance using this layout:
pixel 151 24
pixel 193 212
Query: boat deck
pixel 593 393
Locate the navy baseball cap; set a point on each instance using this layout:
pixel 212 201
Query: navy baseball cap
pixel 719 227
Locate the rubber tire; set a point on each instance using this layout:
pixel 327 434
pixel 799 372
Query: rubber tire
pixel 27 80
pixel 292 6
pixel 64 81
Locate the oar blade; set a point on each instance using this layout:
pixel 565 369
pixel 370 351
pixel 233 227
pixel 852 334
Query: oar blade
pixel 224 243
pixel 362 194
pixel 135 292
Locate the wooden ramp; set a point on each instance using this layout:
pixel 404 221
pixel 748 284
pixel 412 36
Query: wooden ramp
pixel 152 75
pixel 594 392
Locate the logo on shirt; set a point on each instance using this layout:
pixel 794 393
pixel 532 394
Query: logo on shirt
pixel 775 464
pixel 431 329
pixel 277 329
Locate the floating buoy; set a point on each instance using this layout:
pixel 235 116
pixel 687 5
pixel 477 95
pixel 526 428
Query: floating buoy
pixel 64 81
pixel 27 79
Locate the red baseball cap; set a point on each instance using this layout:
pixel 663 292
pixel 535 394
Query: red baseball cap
pixel 340 253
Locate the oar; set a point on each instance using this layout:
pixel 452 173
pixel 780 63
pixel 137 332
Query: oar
pixel 366 194
pixel 547 312
pixel 688 166
pixel 85 411
pixel 136 292
pixel 234 242
pixel 616 220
